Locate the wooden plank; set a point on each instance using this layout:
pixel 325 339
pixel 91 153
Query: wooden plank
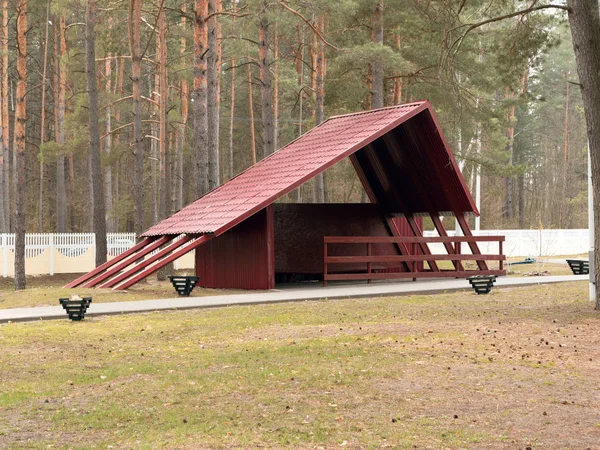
pixel 439 226
pixel 422 245
pixel 130 260
pixel 395 275
pixel 464 226
pixel 145 263
pixel 408 239
pixel 394 258
pixel 164 260
pixel 393 230
pixel 107 264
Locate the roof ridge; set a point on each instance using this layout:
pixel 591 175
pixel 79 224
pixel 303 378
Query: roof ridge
pixel 369 111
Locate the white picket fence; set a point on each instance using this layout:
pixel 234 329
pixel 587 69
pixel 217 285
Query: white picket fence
pixel 65 252
pixel 75 253
pixel 538 243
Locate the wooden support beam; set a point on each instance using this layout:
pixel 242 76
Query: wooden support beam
pixel 396 275
pixel 414 226
pixel 129 260
pixel 398 258
pixel 145 263
pixel 439 226
pixel 408 239
pixel 392 229
pixel 464 226
pixel 107 264
pixel 165 256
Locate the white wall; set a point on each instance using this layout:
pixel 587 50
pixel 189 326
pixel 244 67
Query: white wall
pixel 538 243
pixel 74 253
pixel 67 252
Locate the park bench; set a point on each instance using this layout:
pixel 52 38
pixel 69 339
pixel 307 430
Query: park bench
pixel 579 266
pixel 482 284
pixel 75 307
pixel 184 284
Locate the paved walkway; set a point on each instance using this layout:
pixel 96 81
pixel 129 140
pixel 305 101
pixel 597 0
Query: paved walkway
pixel 285 293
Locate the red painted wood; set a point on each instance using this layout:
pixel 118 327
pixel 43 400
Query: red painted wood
pixel 391 276
pixel 422 245
pixel 110 263
pixel 360 260
pixel 283 171
pixel 171 255
pixel 391 259
pixel 241 258
pixel 300 228
pixel 165 256
pixel 146 262
pixel 130 260
pixel 368 187
pixel 439 226
pixel 409 239
pixel 464 226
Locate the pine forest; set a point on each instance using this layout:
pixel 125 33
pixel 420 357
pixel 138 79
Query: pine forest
pixel 116 113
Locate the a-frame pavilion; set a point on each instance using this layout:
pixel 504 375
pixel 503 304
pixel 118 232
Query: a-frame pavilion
pixel 243 239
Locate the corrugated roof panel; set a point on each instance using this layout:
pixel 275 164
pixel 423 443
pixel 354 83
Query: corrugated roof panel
pixel 296 163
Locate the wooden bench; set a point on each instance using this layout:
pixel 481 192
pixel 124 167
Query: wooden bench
pixel 76 308
pixel 482 284
pixel 184 285
pixel 579 266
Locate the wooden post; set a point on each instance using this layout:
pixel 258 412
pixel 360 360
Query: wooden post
pixel 369 263
pixel 464 225
pixel 324 263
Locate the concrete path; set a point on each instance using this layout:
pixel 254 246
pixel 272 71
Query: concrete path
pixel 286 293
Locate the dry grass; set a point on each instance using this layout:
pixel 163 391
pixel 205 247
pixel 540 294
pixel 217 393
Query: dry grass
pixel 514 369
pixel 46 290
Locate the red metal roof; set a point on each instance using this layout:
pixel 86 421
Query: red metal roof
pixel 401 151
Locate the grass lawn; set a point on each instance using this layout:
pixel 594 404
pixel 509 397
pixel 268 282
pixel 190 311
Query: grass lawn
pixel 46 290
pixel 514 369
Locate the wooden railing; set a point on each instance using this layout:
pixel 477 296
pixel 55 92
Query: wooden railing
pixel 365 269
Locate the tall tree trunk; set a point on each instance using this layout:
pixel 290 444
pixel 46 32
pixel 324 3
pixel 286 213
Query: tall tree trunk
pixel 60 44
pixel 43 122
pixel 231 116
pixel 509 191
pixel 377 65
pixel 564 206
pixel 251 113
pixel 297 195
pixel 212 76
pixel 275 89
pixel 185 92
pixel 163 86
pixel 266 89
pixel 135 20
pixel 319 103
pixel 5 139
pixel 163 98
pixel 300 72
pixel 20 122
pixel 585 23
pixel 4 196
pixel 108 188
pixel 199 98
pixel 397 80
pixel 117 137
pixel 96 172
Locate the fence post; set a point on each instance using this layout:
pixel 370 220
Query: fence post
pixel 4 255
pixel 51 249
pixel 94 249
